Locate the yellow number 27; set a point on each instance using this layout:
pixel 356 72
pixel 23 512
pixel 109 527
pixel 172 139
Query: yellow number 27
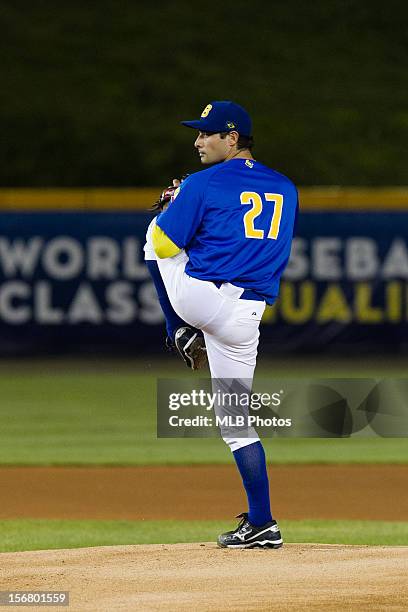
pixel 253 198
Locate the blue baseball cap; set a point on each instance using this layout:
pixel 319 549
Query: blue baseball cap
pixel 223 116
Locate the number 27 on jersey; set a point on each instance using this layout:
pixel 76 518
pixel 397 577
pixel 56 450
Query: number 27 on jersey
pixel 253 198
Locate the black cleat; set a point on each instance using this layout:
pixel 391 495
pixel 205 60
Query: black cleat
pixel 250 536
pixel 191 346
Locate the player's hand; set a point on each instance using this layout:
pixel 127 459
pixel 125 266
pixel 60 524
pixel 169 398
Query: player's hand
pixel 167 194
pixel 165 197
pixel 177 182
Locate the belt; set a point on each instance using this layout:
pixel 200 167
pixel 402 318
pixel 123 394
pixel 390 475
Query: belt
pixel 248 294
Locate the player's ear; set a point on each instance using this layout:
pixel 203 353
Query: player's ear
pixel 233 137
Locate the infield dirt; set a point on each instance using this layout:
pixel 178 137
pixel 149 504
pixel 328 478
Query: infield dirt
pixel 202 577
pixel 367 492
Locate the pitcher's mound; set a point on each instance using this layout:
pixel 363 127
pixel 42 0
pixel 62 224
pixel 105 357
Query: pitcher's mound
pixel 204 577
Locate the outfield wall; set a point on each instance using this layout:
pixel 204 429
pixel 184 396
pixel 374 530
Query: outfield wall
pixel 73 279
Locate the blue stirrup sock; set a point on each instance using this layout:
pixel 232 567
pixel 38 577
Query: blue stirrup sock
pixel 173 321
pixel 252 467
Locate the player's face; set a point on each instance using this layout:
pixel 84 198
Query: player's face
pixel 212 148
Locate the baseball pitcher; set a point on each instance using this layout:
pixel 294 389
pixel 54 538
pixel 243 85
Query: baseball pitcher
pixel 216 253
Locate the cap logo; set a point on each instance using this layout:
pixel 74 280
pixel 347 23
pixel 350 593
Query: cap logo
pixel 206 110
pixel 230 125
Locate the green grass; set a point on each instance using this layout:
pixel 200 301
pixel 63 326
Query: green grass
pixel 85 412
pixel 19 535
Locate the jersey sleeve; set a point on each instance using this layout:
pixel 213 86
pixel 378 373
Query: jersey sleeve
pixel 184 215
pixel 163 246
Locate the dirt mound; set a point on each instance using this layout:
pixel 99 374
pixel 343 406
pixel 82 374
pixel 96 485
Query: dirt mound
pixel 203 577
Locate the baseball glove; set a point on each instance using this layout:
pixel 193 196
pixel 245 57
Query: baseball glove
pixel 166 195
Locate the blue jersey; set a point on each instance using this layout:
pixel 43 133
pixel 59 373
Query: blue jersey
pixel 236 221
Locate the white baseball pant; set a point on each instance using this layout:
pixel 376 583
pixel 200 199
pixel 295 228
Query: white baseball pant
pixel 230 325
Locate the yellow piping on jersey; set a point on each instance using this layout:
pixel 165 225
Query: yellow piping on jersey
pixel 163 246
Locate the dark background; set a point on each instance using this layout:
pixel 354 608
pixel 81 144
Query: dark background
pixel 92 93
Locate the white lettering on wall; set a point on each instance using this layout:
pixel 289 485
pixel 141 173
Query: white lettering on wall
pixel 122 308
pixel 84 307
pixel 63 258
pixel 20 256
pixel 12 307
pixel 361 259
pixel 326 260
